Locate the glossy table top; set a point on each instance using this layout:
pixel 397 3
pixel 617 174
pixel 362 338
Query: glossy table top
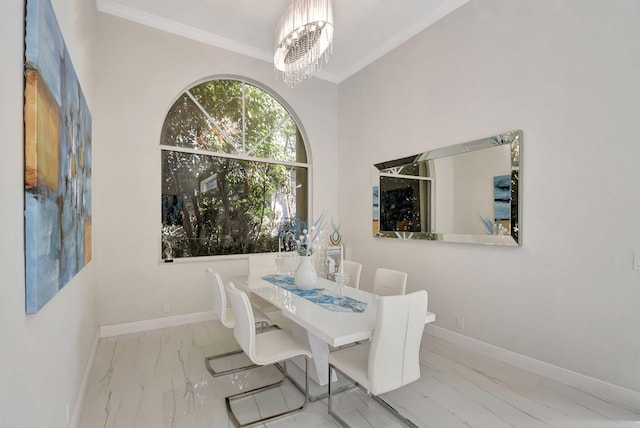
pixel 334 328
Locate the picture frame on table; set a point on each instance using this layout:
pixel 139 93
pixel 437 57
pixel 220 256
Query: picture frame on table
pixel 335 255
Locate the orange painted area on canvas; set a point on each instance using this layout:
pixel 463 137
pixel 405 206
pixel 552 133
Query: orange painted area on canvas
pixel 87 240
pixel 42 134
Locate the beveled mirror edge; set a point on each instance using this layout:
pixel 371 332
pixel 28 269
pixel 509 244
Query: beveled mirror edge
pixel 514 138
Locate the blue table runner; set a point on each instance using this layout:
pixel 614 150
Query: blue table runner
pixel 319 296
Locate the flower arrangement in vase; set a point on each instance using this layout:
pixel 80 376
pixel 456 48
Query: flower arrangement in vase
pixel 295 236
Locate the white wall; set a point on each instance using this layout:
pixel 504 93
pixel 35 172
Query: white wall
pixel 139 73
pixel 566 72
pixel 42 356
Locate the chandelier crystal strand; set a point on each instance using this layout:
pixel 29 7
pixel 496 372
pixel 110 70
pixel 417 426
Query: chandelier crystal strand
pixel 303 39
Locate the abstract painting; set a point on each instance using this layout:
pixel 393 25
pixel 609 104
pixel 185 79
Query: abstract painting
pixel 57 180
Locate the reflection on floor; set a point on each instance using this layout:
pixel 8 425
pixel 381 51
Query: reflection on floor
pixel 158 379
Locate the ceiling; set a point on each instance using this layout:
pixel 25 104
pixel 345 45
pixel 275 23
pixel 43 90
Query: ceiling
pixel 364 30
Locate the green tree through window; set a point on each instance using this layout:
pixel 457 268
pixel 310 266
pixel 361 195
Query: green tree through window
pixel 234 165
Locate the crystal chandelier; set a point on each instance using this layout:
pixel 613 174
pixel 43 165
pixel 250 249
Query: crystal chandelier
pixel 303 39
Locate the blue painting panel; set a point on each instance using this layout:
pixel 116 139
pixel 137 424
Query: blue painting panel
pixel 57 161
pixel 502 197
pixel 502 210
pixel 502 188
pixel 41 214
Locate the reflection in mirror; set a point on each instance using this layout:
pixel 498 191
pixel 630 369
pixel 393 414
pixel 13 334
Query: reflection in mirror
pixel 467 192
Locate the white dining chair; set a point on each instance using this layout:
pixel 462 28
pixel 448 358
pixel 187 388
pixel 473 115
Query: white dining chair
pixel 391 359
pixel 227 317
pixel 353 269
pixel 270 347
pixel 388 282
pixel 262 264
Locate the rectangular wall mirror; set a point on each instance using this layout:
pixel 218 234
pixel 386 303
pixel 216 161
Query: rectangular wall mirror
pixel 467 192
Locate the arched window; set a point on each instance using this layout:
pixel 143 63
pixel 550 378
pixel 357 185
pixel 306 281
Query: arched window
pixel 234 165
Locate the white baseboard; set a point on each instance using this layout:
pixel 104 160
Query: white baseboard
pixel 146 325
pixel 596 387
pixel 75 419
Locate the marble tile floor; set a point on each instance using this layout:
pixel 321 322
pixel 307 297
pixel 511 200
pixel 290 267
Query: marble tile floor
pixel 157 379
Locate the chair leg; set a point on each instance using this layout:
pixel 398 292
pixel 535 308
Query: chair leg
pixel 377 398
pixel 333 414
pixel 214 373
pixel 393 411
pixel 230 398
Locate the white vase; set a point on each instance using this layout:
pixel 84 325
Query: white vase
pixel 305 276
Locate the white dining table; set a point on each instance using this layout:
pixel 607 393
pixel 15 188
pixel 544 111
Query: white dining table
pixel 315 325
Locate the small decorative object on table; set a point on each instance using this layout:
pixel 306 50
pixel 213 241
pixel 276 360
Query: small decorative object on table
pixel 335 238
pixel 332 261
pixel 342 279
pixel 280 260
pixel 295 235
